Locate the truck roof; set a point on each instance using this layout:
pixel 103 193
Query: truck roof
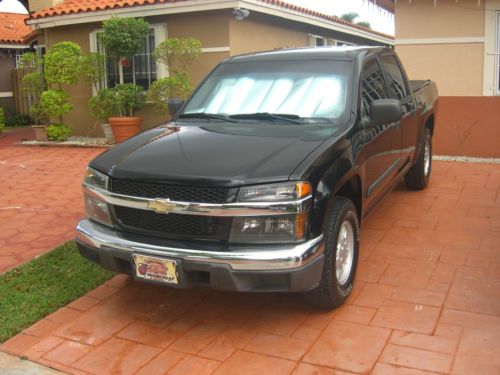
pixel 335 53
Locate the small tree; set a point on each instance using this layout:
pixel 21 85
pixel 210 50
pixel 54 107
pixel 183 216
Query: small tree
pixel 102 105
pixel 93 69
pixel 33 82
pixel 178 55
pixel 123 37
pixel 364 24
pixel 349 17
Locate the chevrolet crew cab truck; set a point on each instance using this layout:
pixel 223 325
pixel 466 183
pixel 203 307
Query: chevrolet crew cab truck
pixel 261 180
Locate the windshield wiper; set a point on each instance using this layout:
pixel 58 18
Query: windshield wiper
pixel 269 116
pixel 204 115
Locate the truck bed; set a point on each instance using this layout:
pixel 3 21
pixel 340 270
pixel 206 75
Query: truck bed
pixel 425 92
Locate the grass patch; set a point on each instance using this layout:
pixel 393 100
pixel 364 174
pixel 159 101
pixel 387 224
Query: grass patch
pixel 35 289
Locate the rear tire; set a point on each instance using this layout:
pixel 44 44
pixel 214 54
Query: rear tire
pixel 341 256
pixel 419 175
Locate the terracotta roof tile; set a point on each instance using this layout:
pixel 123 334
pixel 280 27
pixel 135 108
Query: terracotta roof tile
pixel 13 30
pixel 85 6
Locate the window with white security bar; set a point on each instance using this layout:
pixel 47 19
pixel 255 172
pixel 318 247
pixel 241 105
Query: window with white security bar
pixel 140 69
pixel 319 41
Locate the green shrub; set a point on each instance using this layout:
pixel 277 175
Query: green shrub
pixel 55 103
pixel 128 98
pixel 62 63
pixel 2 119
pixel 93 68
pixel 178 53
pixel 58 132
pixel 164 89
pixel 33 84
pixel 103 105
pixel 14 118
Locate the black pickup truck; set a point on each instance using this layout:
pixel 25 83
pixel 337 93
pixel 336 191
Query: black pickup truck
pixel 262 179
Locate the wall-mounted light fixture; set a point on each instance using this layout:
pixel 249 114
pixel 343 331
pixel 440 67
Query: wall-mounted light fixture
pixel 240 14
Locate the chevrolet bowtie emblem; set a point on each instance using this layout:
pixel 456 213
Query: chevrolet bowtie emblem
pixel 163 206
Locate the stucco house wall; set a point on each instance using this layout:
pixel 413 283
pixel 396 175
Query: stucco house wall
pixel 455 44
pixel 211 28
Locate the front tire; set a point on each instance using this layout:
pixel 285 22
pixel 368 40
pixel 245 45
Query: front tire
pixel 419 175
pixel 341 256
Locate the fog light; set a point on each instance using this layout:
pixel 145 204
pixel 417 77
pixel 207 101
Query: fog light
pixel 97 210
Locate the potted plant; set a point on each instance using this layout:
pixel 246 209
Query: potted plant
pixel 102 106
pixel 178 55
pixel 33 84
pixel 125 100
pixel 55 104
pixel 93 71
pixel 122 38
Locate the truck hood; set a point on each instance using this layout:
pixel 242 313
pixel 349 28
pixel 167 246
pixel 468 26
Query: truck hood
pixel 208 153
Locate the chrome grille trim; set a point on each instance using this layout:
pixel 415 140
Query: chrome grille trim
pixel 202 209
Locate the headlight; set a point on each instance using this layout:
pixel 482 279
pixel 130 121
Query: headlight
pixel 269 229
pixel 95 179
pixel 95 208
pixel 287 191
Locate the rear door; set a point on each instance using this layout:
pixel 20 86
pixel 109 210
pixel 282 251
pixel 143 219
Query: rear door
pixel 400 90
pixel 382 142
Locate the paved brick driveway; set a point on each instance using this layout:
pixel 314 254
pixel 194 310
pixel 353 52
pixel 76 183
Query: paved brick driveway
pixel 40 197
pixel 426 300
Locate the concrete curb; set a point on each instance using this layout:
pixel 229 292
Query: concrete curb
pixel 12 365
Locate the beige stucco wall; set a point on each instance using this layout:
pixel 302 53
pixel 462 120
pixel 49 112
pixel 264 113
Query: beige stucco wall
pixel 456 68
pixel 420 19
pixel 262 32
pixel 443 43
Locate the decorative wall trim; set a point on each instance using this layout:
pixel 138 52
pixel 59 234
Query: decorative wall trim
pixel 14 46
pixel 460 40
pixel 215 49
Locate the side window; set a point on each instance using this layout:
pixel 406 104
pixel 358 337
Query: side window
pixel 372 84
pixel 395 77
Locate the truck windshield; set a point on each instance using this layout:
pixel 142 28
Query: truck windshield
pixel 293 91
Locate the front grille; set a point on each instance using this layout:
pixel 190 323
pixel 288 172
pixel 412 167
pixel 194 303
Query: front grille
pixel 192 194
pixel 166 225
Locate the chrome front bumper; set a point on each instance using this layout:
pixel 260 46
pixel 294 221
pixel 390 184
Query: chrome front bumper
pixel 244 258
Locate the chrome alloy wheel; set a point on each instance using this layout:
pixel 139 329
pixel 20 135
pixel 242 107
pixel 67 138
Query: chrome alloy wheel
pixel 427 158
pixel 345 252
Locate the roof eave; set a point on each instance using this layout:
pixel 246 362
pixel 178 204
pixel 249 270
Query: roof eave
pixel 205 5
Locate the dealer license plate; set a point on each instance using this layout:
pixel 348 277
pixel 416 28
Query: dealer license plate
pixel 157 269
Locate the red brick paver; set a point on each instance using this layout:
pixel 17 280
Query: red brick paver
pixel 40 197
pixel 426 301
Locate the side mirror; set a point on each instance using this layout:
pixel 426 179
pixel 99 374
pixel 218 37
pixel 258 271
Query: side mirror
pixel 174 105
pixel 385 111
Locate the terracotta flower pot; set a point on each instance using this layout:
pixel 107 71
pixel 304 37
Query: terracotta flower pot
pixel 40 132
pixel 125 127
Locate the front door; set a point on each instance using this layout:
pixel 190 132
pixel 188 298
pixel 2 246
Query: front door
pixel 382 143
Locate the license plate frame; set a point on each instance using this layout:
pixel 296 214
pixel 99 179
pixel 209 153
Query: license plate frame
pixel 157 269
